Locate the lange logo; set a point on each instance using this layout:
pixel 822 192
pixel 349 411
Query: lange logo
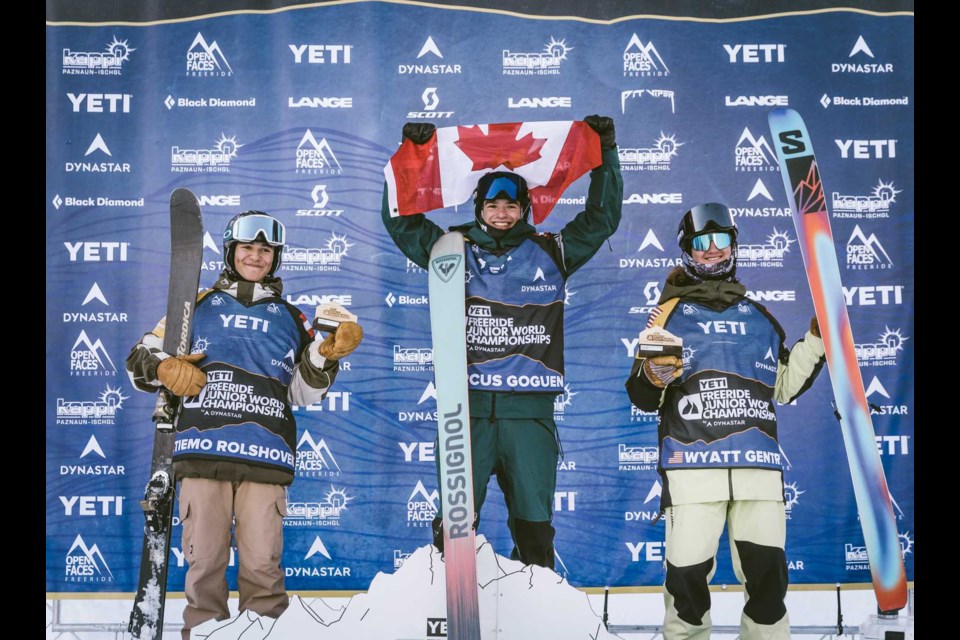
pixel 206 60
pixel 103 63
pixel 86 563
pixel 320 102
pixel 546 62
pixel 537 103
pixel 643 60
pixel 446 266
pixel 215 160
pixel 316 157
pixel 655 158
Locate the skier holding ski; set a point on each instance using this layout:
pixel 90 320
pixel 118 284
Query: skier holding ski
pixel 719 455
pixel 236 435
pixel 513 434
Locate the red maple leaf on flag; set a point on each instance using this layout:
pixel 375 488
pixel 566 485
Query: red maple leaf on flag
pixel 499 146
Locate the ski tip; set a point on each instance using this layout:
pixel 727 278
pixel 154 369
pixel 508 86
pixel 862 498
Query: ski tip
pixel 779 113
pixel 181 194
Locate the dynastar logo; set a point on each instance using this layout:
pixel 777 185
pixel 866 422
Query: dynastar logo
pixel 326 258
pixel 215 160
pixel 206 60
pixel 90 467
pixel 319 553
pixel 861 63
pixel 321 53
pixel 90 358
pixel 102 63
pixel 320 200
pixel 431 55
pixel 98 146
pixel 429 393
pixel 655 158
pixel 95 313
pixel 430 103
pixel 544 63
pixel 103 410
pixel 100 102
pixel 754 154
pixel 642 60
pixel 883 352
pixel 866 252
pixel 875 205
pixel 412 358
pixel 883 409
pixel 759 189
pixel 421 506
pixel 314 459
pixel 85 564
pixel 654 97
pixel 867 149
pixel 643 262
pixel 316 158
pixel 755 53
pixel 769 254
pixel 539 103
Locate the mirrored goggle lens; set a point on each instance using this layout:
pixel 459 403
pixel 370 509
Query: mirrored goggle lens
pixel 501 184
pixel 248 228
pixel 702 243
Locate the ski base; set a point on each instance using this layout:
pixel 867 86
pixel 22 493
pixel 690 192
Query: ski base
pixel 447 315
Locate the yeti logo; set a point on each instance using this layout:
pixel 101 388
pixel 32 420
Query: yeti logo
pixel 446 266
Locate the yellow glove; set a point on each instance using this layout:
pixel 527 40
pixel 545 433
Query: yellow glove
pixel 662 370
pixel 180 375
pixel 341 342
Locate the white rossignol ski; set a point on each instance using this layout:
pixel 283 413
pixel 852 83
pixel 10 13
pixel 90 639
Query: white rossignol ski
pixel 801 178
pixel 447 322
pixel 186 255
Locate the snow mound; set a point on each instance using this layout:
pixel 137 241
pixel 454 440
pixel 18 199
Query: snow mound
pixel 517 602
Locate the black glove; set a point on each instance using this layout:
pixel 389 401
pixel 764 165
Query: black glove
pixel 602 125
pixel 420 132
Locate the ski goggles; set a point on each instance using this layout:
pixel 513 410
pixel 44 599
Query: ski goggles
pixel 250 228
pixel 503 186
pixel 721 239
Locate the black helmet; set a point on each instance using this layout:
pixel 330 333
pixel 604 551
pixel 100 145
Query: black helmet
pixel 501 184
pixel 704 218
pixel 708 218
pixel 253 226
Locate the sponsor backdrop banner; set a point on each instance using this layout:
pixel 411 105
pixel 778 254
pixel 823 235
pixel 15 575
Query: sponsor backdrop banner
pixel 296 112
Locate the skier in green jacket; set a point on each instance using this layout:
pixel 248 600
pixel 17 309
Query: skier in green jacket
pixel 515 278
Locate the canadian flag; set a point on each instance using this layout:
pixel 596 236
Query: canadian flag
pixel 444 171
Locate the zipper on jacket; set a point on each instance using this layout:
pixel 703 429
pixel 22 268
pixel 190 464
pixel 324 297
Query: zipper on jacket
pixel 730 482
